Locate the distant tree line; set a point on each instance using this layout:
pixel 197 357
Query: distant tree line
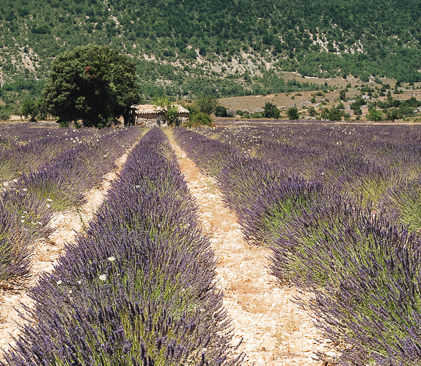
pixel 373 38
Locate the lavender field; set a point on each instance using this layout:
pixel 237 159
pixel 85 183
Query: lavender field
pixel 339 207
pixel 137 287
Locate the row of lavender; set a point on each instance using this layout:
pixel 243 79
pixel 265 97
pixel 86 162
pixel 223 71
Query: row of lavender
pixel 357 160
pixel 138 288
pixel 18 134
pixel 364 271
pixel 13 135
pixel 31 155
pixel 28 204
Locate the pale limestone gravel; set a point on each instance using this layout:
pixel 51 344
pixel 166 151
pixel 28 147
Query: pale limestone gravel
pixel 275 331
pixel 67 224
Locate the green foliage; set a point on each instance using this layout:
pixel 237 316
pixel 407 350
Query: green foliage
pixel 312 112
pixel 293 113
pixel 271 111
pixel 396 109
pixel 170 110
pixel 200 119
pixel 172 114
pixel 221 111
pixel 375 115
pixel 92 83
pixel 333 114
pixel 222 32
pixel 197 117
pixel 42 108
pixel 29 108
pixel 207 104
pixel 4 114
pixel 393 114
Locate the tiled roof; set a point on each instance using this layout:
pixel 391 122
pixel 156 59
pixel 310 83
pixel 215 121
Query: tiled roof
pixel 151 109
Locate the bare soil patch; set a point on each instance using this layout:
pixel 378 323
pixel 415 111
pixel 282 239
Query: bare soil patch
pixel 67 224
pixel 274 330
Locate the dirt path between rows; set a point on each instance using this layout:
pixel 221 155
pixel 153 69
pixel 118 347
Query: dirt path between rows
pixel 67 224
pixel 275 331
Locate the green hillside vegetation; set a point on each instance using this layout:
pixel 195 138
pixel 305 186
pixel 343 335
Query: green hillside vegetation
pixel 185 48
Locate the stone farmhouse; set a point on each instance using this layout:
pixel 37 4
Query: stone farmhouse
pixel 149 115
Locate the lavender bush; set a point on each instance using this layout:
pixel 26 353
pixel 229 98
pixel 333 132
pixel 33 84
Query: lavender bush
pixel 15 248
pixel 402 204
pixel 375 310
pixel 269 218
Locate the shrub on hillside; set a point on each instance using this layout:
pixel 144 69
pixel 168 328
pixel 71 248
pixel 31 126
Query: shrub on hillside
pixel 221 111
pixel 293 113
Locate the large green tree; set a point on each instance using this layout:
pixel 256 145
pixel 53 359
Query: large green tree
pixel 94 84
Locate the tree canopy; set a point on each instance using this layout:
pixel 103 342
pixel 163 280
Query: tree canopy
pixel 293 113
pixel 271 111
pixel 94 84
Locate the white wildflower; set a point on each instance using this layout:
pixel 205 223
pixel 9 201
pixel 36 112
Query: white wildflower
pixel 59 282
pixel 111 259
pixel 70 291
pixel 15 180
pixel 79 282
pixel 48 205
pixel 6 184
pixel 24 189
pixel 49 200
pixel 103 277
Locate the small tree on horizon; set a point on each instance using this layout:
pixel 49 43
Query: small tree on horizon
pixel 29 108
pixel 271 111
pixel 207 104
pixel 293 113
pixel 375 115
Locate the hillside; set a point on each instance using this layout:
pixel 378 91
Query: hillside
pixel 187 48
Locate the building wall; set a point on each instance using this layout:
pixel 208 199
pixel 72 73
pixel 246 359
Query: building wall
pixel 152 120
